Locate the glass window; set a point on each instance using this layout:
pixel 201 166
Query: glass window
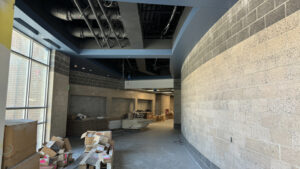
pixel 17 81
pixel 15 114
pixel 40 53
pixel 28 82
pixel 36 114
pixel 38 84
pixel 40 135
pixel 20 43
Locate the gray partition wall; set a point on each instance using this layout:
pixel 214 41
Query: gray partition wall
pixel 92 106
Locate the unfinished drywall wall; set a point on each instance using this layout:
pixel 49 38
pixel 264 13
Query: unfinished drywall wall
pixel 121 106
pixel 92 106
pixel 240 108
pixel 111 95
pixel 144 104
pixel 58 95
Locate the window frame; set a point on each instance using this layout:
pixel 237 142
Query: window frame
pixel 31 60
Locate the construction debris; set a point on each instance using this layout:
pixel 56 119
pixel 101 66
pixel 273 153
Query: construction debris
pixel 99 148
pixel 57 153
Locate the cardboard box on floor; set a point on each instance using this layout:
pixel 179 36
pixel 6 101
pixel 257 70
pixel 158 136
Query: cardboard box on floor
pixel 33 162
pixel 94 137
pixel 56 153
pixel 19 141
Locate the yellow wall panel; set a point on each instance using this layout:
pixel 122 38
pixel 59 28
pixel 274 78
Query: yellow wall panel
pixel 6 21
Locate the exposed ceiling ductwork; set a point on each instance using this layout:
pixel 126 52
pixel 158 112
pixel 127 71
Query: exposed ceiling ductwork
pixel 74 14
pixel 86 33
pixel 102 21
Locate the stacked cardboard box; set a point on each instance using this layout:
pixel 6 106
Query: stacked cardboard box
pixel 19 148
pixel 160 118
pixel 99 150
pixel 57 153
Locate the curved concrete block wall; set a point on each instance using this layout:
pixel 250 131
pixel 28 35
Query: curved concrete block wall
pixel 241 88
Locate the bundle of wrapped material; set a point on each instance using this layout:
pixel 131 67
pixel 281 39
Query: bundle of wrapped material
pixel 57 153
pixel 99 149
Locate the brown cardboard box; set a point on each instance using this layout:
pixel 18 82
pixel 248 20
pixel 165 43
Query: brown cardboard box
pixel 33 162
pixel 68 146
pixel 48 151
pixel 59 141
pixel 19 141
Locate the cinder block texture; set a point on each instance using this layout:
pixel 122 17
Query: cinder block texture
pixel 62 63
pixel 88 79
pixel 58 94
pixel 244 19
pixel 241 109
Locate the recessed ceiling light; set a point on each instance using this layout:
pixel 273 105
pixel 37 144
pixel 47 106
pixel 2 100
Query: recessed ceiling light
pixel 75 66
pixel 83 68
pixel 107 75
pixel 90 70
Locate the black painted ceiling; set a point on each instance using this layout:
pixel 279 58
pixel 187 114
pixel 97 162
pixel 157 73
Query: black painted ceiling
pixel 154 19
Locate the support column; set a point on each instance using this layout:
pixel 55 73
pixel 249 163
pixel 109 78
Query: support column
pixel 58 95
pixel 6 20
pixel 177 104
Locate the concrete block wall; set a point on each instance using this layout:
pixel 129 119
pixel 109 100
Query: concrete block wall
pixel 244 19
pixel 241 88
pixel 88 79
pixel 58 95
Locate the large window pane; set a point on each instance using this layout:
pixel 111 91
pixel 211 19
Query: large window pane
pixel 38 84
pixel 40 53
pixel 17 81
pixel 28 82
pixel 20 43
pixel 36 114
pixel 15 114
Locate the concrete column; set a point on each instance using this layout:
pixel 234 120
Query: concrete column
pixel 136 104
pixel 177 103
pixel 6 20
pixel 58 95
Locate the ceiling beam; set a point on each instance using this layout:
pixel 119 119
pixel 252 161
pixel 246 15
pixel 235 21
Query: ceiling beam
pixel 131 21
pixel 149 84
pixel 127 53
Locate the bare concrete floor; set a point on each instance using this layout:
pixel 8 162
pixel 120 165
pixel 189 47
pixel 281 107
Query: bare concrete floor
pixel 157 147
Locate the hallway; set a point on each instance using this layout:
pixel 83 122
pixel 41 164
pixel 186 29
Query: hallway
pixel 157 147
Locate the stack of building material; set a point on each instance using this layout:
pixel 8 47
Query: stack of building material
pixel 161 117
pixel 57 153
pixel 135 123
pixel 98 150
pixel 19 150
